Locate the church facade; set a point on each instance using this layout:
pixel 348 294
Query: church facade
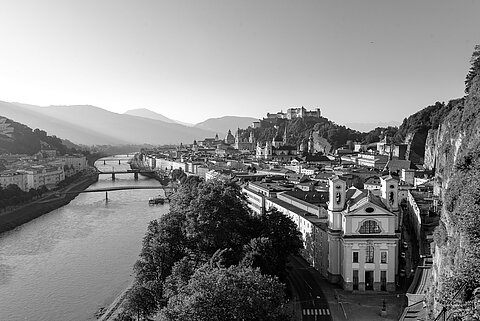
pixel 353 241
pixel 362 236
pixel 277 149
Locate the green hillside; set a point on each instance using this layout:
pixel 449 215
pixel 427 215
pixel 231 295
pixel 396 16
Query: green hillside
pixel 16 138
pixel 299 130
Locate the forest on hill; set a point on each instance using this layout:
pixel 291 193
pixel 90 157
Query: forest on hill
pixel 300 129
pixel 16 138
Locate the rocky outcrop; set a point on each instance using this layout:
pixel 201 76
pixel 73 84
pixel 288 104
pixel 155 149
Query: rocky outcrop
pixel 416 145
pixel 448 150
pixel 430 154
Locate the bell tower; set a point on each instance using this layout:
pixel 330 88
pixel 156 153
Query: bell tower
pixel 336 202
pixel 389 192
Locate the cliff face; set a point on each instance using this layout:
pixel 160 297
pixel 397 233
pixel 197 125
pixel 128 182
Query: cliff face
pixel 416 145
pixel 453 149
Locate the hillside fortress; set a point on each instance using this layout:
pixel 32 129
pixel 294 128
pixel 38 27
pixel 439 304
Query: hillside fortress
pixel 293 113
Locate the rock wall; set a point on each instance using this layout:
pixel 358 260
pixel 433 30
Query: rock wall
pixel 446 148
pixel 430 149
pixel 416 145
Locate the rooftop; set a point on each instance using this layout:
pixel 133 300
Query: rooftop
pixel 315 220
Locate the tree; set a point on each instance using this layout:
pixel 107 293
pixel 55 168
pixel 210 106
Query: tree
pixel 218 218
pixel 181 273
pixel 277 239
pixel 474 69
pixel 234 293
pixel 140 301
pixel 163 245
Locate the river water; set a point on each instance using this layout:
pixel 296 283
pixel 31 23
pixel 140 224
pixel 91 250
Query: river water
pixel 68 263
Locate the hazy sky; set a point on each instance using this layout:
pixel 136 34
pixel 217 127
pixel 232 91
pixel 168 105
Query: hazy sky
pixel 359 61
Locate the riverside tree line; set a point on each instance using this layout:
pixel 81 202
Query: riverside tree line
pixel 210 258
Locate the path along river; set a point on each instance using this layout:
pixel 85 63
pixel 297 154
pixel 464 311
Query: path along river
pixel 68 263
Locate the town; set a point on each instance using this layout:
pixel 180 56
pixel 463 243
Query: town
pixel 365 212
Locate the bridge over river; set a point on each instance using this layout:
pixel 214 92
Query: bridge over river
pixel 168 190
pixel 135 172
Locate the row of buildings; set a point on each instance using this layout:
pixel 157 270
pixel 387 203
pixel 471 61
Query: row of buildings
pixel 42 169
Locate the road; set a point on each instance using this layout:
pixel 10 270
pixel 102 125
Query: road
pixel 314 305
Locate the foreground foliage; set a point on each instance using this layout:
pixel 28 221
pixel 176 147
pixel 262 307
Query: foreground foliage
pixel 210 233
pixel 234 293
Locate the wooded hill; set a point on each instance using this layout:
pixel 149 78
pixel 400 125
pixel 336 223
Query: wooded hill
pixel 299 130
pixel 16 138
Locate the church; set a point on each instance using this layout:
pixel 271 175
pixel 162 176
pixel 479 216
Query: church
pixel 277 149
pixel 246 144
pixel 362 238
pixel 351 239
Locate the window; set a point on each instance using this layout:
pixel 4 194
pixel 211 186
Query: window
pixel 355 257
pixel 369 253
pixel 383 257
pixel 370 227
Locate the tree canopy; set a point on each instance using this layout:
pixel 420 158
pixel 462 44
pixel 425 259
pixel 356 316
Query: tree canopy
pixel 209 224
pixel 233 293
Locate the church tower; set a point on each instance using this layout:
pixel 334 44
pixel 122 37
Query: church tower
pixel 251 139
pixel 336 202
pixel 285 136
pixel 389 192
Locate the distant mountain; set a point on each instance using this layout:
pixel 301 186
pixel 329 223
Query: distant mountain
pixel 366 127
pixel 18 138
pixel 223 124
pixel 147 113
pixel 91 125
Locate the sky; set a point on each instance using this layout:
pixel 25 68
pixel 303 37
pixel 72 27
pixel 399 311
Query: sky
pixel 358 61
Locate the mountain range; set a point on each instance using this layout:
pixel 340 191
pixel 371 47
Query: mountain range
pixel 223 124
pixel 90 125
pixel 147 113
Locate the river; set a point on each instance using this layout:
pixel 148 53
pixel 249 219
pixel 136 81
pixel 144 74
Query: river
pixel 68 263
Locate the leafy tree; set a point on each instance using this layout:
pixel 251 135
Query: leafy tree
pixel 278 239
pixel 181 273
pixel 234 293
pixel 140 302
pixel 124 316
pixel 217 218
pixel 260 253
pixel 163 245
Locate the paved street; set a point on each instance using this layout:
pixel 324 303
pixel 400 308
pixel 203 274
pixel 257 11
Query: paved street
pixel 312 302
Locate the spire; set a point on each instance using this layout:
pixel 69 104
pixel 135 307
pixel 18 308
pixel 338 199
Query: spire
pixel 285 136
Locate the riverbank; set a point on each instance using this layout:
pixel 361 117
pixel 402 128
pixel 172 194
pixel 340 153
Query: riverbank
pixel 12 219
pixel 115 307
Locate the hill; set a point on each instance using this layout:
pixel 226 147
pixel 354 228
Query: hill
pixel 147 113
pixel 16 138
pixel 324 132
pixel 221 125
pixel 365 127
pixel 92 125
